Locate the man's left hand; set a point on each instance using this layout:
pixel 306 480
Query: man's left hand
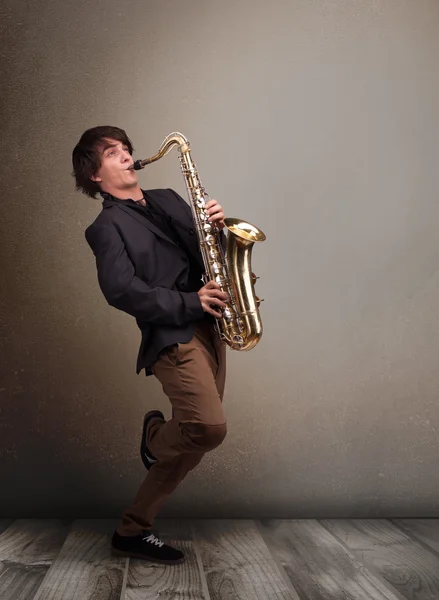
pixel 216 213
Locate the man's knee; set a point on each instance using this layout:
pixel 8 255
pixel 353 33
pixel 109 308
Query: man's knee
pixel 206 437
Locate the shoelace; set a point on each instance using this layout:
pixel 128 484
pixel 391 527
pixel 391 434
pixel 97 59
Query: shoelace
pixel 152 539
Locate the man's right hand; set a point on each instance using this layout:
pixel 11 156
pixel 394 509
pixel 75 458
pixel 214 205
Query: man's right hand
pixel 211 296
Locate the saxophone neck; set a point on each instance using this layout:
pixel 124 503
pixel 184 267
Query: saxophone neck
pixel 171 140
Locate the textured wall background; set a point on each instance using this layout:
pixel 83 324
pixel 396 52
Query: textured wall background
pixel 318 121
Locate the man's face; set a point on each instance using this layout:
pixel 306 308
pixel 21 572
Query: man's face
pixel 113 174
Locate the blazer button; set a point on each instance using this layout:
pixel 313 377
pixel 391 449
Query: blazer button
pixel 192 231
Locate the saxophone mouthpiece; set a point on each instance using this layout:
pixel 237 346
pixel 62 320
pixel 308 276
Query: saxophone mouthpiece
pixel 136 166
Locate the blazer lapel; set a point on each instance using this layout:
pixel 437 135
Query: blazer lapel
pixel 140 218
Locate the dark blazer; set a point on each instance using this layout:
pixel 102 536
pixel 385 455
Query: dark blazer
pixel 144 273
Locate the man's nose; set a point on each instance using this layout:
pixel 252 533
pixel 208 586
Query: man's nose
pixel 126 156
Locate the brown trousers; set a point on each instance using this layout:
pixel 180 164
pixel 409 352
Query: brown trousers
pixel 193 377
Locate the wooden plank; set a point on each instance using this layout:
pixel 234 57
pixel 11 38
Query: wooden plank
pixel 27 549
pixel 424 530
pixel 155 581
pixel 318 565
pixel 4 524
pixel 237 563
pixel 405 564
pixel 85 568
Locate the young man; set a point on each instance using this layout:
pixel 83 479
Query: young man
pixel 149 265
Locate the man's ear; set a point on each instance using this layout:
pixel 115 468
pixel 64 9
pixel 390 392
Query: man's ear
pixel 95 178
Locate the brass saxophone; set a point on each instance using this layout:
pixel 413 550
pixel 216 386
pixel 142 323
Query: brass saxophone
pixel 240 325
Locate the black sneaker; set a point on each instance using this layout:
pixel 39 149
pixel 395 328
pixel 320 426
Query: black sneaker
pixel 147 458
pixel 146 546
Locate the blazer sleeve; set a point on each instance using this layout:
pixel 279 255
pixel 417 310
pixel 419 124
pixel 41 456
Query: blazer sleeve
pixel 125 291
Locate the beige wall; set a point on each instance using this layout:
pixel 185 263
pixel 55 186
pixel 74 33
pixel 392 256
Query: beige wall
pixel 316 120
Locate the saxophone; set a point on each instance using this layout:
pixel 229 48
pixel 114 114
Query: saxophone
pixel 240 325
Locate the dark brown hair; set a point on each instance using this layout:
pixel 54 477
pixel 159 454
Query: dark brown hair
pixel 86 155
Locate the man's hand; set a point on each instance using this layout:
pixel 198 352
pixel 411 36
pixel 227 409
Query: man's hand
pixel 211 296
pixel 216 213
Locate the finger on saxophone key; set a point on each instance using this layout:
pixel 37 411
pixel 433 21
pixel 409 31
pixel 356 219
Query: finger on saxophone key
pixel 213 285
pixel 219 297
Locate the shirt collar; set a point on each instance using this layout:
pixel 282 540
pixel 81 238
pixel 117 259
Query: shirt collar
pixel 129 201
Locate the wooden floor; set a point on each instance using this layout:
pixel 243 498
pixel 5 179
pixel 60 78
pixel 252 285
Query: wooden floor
pixel 225 560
